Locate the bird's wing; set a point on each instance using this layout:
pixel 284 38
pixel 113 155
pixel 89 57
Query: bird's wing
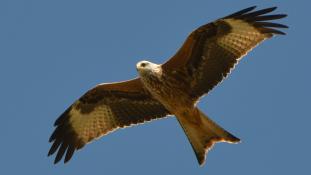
pixel 211 51
pixel 101 110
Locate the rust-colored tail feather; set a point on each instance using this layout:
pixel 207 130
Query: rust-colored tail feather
pixel 203 134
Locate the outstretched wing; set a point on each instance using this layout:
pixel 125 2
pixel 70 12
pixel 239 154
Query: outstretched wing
pixel 101 110
pixel 212 50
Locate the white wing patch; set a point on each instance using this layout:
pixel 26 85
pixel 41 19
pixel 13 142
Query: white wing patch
pixel 242 37
pixel 99 122
pixel 94 124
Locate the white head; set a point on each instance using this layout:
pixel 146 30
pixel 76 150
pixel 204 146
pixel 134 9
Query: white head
pixel 146 67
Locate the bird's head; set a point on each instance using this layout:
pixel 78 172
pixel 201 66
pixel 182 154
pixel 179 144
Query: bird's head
pixel 146 67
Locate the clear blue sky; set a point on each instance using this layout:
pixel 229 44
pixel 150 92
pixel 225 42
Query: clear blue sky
pixel 51 52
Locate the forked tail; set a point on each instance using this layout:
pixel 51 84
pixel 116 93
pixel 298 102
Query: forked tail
pixel 203 133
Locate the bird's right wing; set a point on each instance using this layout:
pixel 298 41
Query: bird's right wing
pixel 211 51
pixel 100 111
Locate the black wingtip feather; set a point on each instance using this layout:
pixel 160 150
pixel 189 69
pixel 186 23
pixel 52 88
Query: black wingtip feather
pixel 259 19
pixel 61 152
pixel 58 132
pixel 69 153
pixel 269 24
pixel 273 31
pixel 260 12
pixel 62 117
pixel 64 139
pixel 53 136
pixel 268 17
pixel 241 12
pixel 54 147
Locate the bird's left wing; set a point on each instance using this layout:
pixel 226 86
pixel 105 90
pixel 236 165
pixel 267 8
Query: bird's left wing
pixel 101 110
pixel 212 50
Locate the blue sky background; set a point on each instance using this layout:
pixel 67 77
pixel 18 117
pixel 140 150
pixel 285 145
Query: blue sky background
pixel 51 52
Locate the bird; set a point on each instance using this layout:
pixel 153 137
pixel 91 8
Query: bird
pixel 173 88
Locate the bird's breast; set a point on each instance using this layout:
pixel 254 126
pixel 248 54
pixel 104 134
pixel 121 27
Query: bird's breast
pixel 169 90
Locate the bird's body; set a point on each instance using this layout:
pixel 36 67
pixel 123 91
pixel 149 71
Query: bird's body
pixel 164 86
pixel 173 88
pixel 168 85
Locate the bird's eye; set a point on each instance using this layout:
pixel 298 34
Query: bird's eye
pixel 143 64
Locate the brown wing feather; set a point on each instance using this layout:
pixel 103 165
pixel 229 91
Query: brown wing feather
pixel 212 50
pixel 101 110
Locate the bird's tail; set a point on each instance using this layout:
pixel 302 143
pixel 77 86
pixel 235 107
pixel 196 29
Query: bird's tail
pixel 203 133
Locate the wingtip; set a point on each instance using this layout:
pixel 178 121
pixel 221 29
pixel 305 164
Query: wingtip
pixel 273 8
pixel 267 10
pixel 49 154
pixel 70 151
pixel 51 139
pixel 281 33
pixel 252 7
pixel 56 161
pixel 272 31
pixel 243 11
pixel 282 15
pixel 249 8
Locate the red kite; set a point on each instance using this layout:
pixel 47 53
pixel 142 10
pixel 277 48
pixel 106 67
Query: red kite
pixel 173 88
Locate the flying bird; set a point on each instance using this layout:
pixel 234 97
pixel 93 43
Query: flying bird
pixel 207 57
